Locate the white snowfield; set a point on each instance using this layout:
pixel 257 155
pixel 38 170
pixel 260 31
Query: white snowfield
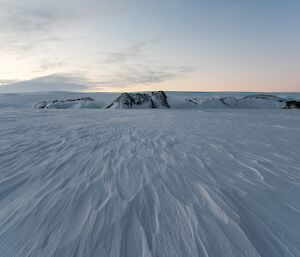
pixel 148 183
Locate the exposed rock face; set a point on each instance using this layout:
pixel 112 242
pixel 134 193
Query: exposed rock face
pixel 128 100
pixel 293 104
pixel 140 101
pixel 65 104
pixel 160 99
pixel 230 101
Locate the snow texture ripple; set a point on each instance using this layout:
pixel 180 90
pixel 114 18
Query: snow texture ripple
pixel 139 183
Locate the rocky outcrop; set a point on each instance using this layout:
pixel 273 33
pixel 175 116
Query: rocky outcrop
pixel 140 101
pixel 66 104
pixel 293 104
pixel 230 101
pixel 262 101
pixel 129 100
pixel 160 99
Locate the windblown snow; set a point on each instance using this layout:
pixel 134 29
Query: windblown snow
pixel 137 183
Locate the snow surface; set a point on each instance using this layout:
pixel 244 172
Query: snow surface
pixel 220 182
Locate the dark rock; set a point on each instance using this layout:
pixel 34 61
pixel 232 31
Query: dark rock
pixel 192 101
pixel 128 100
pixel 140 100
pixel 293 104
pixel 229 101
pixel 160 97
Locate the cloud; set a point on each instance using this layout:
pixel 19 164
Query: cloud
pixel 32 27
pixel 140 75
pixel 132 66
pixel 7 81
pixel 26 19
pixel 149 75
pixel 26 27
pixel 37 33
pixel 131 76
pixel 54 82
pixel 38 17
pixel 46 65
pixel 130 53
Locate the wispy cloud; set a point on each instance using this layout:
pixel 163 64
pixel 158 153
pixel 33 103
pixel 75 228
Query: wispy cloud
pixel 54 82
pixel 131 76
pixel 141 75
pixel 130 53
pixel 25 27
pixel 26 19
pixel 133 66
pixel 46 65
pixel 29 29
pixel 7 81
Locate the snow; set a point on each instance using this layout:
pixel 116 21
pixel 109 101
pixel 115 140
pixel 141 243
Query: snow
pixel 175 100
pixel 30 100
pixel 188 182
pixel 234 100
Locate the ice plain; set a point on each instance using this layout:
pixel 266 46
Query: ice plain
pixel 178 182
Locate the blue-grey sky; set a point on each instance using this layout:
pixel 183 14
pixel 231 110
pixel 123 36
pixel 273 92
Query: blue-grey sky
pixel 137 45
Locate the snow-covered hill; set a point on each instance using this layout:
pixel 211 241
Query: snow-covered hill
pixel 78 103
pixel 260 101
pixel 31 100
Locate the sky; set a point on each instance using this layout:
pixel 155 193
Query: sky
pixel 141 45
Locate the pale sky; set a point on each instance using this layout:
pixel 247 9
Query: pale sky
pixel 141 45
